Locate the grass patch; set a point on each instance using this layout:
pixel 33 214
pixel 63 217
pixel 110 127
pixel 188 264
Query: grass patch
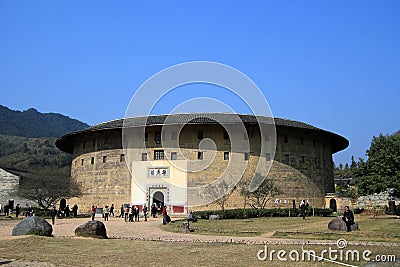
pixel 112 252
pixel 382 228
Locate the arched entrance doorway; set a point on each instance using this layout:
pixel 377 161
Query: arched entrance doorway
pixel 63 203
pixel 333 205
pixel 158 199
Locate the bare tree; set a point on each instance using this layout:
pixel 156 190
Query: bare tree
pixel 221 192
pixel 243 187
pixel 47 188
pixel 260 197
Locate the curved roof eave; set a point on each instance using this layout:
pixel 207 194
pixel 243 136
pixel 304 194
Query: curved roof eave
pixel 65 143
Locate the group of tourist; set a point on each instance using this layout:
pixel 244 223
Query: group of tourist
pixel 8 209
pixel 63 212
pixel 66 212
pixel 132 214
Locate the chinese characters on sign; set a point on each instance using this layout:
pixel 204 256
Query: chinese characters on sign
pixel 158 172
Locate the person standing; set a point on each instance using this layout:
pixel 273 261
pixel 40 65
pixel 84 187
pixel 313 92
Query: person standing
pixel 106 212
pixel 67 211
pixel 164 214
pixel 132 215
pixel 93 212
pixel 303 209
pixel 145 213
pixel 6 210
pixel 137 213
pixel 75 211
pixel 17 210
pixel 53 214
pixel 112 210
pixel 121 214
pixel 126 213
pixel 348 218
pixel 153 210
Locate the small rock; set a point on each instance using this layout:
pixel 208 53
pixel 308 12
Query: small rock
pixel 95 229
pixel 339 224
pixel 214 217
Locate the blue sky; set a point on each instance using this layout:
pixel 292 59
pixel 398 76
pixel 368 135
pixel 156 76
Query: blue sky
pixel 333 64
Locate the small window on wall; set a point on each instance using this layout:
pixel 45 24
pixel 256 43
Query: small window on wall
pixel 146 136
pixel 286 158
pixel 174 135
pixel 301 141
pixel 268 157
pixel 226 155
pixel 246 156
pixel 157 137
pixel 122 158
pixel 200 155
pixel 200 135
pixel 173 155
pixel 158 154
pixel 84 145
pixel 104 159
pixel 94 143
pixel 286 139
pixel 144 156
pixel 226 135
pixel 82 161
pixel 303 159
pixel 317 163
pixel 92 160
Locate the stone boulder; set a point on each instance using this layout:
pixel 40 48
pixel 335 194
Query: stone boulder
pixel 33 225
pixel 339 225
pixel 214 217
pixel 94 229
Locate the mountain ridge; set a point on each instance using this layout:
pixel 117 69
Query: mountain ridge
pixel 34 124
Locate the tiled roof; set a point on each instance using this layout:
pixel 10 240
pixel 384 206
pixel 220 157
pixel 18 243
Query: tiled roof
pixel 63 142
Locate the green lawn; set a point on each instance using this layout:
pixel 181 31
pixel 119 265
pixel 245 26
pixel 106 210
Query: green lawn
pixel 382 228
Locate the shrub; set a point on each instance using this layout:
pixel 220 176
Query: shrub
pixel 38 232
pixel 256 213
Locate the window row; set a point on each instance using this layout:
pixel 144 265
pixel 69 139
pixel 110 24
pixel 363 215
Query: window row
pixel 104 159
pixel 160 136
pixel 160 154
pixel 286 158
pixel 93 143
pixel 300 141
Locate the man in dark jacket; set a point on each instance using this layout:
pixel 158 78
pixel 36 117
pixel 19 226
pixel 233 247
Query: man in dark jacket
pixel 303 209
pixel 348 218
pixel 17 210
pixel 53 214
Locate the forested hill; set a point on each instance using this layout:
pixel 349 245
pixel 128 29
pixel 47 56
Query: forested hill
pixel 31 123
